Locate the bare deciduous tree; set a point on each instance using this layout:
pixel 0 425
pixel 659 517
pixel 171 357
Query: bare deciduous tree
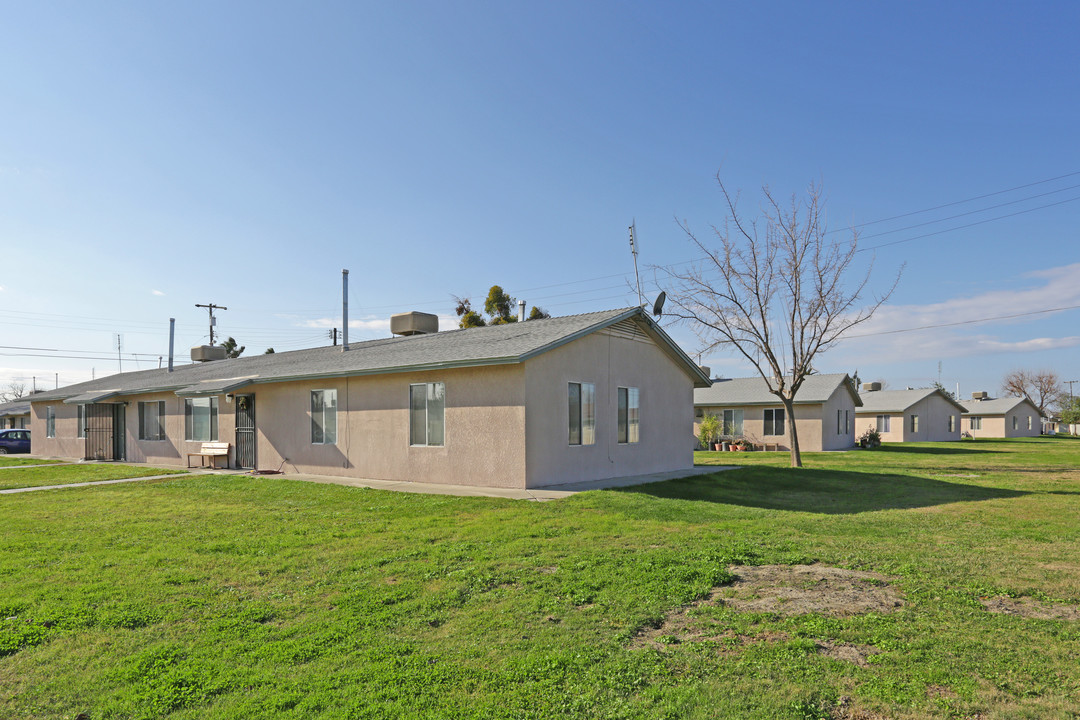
pixel 14 391
pixel 1042 387
pixel 777 290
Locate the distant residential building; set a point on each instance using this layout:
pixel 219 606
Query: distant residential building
pixel 912 415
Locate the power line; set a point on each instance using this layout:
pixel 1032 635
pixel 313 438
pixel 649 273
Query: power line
pixel 965 322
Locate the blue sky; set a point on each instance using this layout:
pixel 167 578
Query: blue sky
pixel 158 155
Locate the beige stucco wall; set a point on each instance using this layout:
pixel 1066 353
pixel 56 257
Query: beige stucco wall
pixel 66 443
pixel 609 361
pixel 484 422
pixel 1000 426
pixel 834 436
pixel 933 412
pixel 807 418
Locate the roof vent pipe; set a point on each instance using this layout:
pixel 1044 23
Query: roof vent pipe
pixel 344 310
pixel 172 335
pixel 521 310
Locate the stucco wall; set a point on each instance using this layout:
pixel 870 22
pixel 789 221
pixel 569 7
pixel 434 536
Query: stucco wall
pixel 484 423
pixel 66 444
pixel 609 361
pixel 808 421
pixel 832 438
pixel 998 426
pixel 933 412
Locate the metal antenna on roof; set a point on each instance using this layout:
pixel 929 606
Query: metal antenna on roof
pixel 633 251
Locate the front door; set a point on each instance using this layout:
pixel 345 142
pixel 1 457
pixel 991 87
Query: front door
pixel 99 432
pixel 245 432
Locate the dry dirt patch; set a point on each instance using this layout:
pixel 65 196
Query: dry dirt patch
pixel 803 589
pixel 786 590
pixel 1029 608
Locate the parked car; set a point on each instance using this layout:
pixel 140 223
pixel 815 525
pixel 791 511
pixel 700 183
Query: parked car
pixel 14 441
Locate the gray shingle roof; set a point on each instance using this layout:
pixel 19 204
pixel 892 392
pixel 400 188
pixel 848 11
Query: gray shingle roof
pixel 500 344
pixel 897 401
pixel 15 407
pixel 997 406
pixel 754 391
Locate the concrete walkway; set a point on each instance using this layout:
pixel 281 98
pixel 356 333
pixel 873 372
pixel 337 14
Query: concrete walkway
pixel 537 494
pixel 11 491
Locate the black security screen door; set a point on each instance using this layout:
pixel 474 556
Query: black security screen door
pixel 245 431
pixel 99 432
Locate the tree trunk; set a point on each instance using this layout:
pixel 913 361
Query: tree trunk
pixel 793 435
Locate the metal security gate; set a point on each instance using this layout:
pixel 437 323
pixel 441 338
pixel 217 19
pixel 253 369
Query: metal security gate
pixel 105 431
pixel 245 432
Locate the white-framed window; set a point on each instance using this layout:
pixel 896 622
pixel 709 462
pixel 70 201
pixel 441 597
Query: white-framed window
pixel 774 421
pixel 732 423
pixel 582 413
pixel 152 420
pixel 1029 422
pixel 201 419
pixel 629 420
pixel 50 422
pixel 323 417
pixel 914 423
pixel 1015 424
pixel 80 431
pixel 883 423
pixel 427 414
pixel 976 423
pixel 952 423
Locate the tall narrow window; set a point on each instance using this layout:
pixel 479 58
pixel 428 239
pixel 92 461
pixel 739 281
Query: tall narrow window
pixel 883 423
pixel 774 422
pixel 732 423
pixel 914 423
pixel 1014 424
pixel 427 412
pixel 201 419
pixel 839 422
pixel 50 422
pixel 81 419
pixel 1029 422
pixel 629 424
pixel 582 413
pixel 323 417
pixel 952 423
pixel 976 423
pixel 152 420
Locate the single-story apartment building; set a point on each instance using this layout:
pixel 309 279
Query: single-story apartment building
pixel 824 412
pixel 912 415
pixel 14 414
pixel 1006 417
pixel 525 404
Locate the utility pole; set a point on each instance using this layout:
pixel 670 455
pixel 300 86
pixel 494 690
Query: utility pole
pixel 1070 384
pixel 333 335
pixel 213 320
pixel 119 358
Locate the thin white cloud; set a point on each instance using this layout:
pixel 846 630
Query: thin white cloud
pixel 964 334
pixel 157 292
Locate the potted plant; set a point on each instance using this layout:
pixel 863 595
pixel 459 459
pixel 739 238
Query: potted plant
pixel 870 439
pixel 708 431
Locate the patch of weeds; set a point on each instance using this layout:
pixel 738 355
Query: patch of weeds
pixel 164 679
pixel 815 707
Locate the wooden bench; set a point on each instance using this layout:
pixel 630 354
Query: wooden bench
pixel 212 450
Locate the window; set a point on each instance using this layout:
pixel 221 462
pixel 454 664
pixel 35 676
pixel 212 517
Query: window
pixel 152 420
pixel 976 423
pixel 629 421
pixel 582 406
pixel 50 422
pixel 774 421
pixel 883 423
pixel 323 417
pixel 843 422
pixel 1014 423
pixel 200 419
pixel 427 407
pixel 732 423
pixel 80 431
pixel 952 423
pixel 1029 422
pixel 914 423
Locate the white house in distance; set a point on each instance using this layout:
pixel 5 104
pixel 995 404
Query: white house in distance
pixel 1006 417
pixel 525 404
pixel 824 411
pixel 912 415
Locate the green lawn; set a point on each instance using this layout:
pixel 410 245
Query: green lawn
pixel 234 597
pixel 30 476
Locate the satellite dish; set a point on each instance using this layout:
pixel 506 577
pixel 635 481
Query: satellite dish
pixel 658 306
